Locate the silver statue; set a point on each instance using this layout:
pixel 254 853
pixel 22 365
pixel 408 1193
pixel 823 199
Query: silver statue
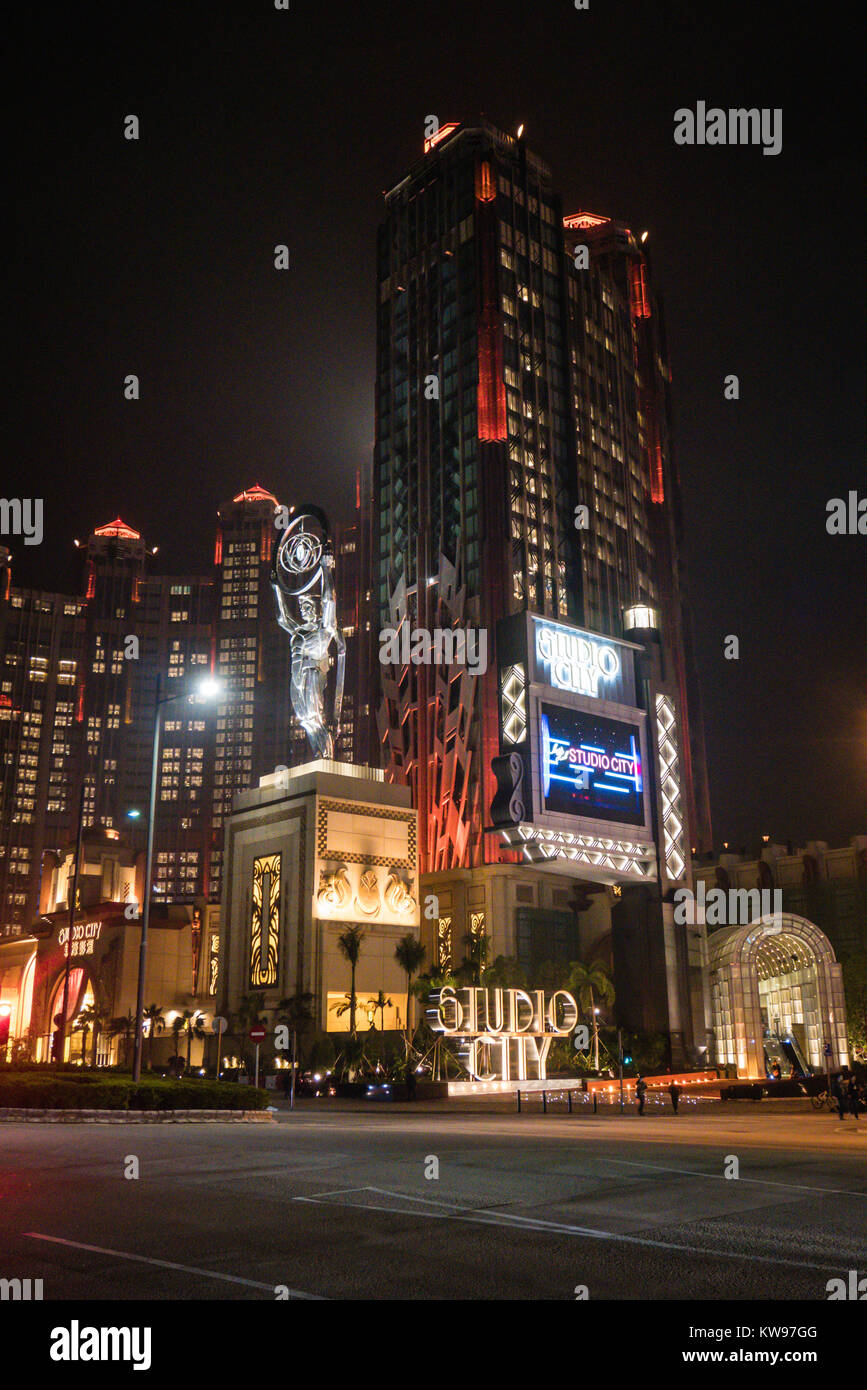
pixel 302 575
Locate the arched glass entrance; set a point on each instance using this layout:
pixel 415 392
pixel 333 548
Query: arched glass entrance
pixel 777 997
pixel 80 997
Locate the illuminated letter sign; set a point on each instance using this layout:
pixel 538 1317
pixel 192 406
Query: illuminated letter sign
pixel 504 1034
pixel 575 661
pixel 82 931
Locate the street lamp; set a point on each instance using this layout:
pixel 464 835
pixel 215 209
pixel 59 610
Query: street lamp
pixel 207 689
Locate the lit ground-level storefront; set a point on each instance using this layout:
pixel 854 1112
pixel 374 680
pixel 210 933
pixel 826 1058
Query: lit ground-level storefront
pixel 777 996
pixel 102 951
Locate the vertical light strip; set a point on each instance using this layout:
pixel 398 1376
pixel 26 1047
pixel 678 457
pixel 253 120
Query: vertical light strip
pixel 669 781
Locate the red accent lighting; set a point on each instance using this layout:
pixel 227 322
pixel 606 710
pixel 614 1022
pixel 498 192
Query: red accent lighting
pixel 486 186
pixel 638 297
pixel 581 221
pixel 255 494
pixel 441 134
pixel 657 488
pixel 118 528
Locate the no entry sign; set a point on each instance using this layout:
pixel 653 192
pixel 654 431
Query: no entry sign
pixel 258 1033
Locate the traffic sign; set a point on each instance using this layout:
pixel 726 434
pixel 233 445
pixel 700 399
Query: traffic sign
pixel 258 1033
pixel 219 1024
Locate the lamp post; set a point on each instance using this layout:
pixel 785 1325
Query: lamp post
pixel 72 894
pixel 209 689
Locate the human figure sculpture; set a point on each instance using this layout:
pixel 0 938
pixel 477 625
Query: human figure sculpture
pixel 302 576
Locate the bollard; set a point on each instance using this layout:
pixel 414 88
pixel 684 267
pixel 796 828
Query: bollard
pixel 594 1102
pixel 544 1102
pixel 569 1099
pixel 518 1094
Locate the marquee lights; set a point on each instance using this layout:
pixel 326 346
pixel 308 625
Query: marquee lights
pixel 575 661
pixel 504 1034
pixel 669 780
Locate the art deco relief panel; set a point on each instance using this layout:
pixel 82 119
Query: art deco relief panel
pixel 366 864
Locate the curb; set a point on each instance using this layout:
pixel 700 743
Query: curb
pixel 137 1117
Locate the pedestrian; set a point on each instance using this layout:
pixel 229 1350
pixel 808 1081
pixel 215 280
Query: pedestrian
pixel 410 1081
pixel 640 1088
pixel 674 1092
pixel 839 1095
pixel 853 1097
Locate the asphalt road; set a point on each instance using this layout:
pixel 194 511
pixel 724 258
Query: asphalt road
pixel 334 1203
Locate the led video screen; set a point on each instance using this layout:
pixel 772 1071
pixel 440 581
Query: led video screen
pixel 591 766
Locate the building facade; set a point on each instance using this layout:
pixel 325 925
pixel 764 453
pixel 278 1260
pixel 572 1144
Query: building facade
pixel 523 456
pixel 78 691
pixel 524 466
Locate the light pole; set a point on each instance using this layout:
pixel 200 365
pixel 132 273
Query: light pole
pixel 72 894
pixel 209 689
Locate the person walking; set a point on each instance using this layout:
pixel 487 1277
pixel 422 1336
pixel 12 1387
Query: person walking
pixel 839 1095
pixel 410 1081
pixel 853 1097
pixel 674 1092
pixel 640 1089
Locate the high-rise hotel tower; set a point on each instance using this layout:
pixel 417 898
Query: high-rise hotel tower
pixel 521 377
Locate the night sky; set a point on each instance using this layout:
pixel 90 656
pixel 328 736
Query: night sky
pixel 261 126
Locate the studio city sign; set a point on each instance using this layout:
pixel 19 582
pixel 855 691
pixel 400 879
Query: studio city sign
pixel 574 660
pixel 505 1034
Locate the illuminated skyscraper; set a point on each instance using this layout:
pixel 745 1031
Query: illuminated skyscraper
pixel 517 383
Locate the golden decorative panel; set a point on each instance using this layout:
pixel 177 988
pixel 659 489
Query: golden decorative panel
pixel 265 926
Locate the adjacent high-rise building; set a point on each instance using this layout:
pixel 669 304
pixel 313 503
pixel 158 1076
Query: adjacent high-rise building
pixel 78 691
pixel 523 457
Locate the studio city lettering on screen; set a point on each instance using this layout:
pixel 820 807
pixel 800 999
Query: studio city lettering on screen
pixel 575 661
pixel 505 1034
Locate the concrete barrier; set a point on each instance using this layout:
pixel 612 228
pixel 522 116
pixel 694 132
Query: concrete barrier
pixel 137 1117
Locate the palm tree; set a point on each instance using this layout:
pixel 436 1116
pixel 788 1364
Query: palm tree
pixel 123 1026
pixel 177 1025
pixel 409 954
pixel 349 946
pixel 82 1024
pixel 589 982
pixel 297 1013
pixel 100 1023
pixel 193 1023
pixel 248 1012
pixel 93 1019
pixel 155 1019
pixel 469 972
pixel 382 1003
pixel 506 972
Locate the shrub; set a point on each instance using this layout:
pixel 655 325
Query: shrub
pixel 91 1091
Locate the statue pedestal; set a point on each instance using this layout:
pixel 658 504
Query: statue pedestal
pixel 310 851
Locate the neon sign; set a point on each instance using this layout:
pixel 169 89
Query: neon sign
pixel 575 661
pixel 505 1034
pixel 591 766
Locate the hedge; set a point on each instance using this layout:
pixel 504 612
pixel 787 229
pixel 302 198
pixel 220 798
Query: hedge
pixel 89 1091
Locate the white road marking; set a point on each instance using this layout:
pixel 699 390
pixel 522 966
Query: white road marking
pixel 720 1177
pixel 168 1264
pixel 528 1223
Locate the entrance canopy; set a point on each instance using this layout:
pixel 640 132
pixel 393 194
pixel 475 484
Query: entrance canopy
pixel 777 994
